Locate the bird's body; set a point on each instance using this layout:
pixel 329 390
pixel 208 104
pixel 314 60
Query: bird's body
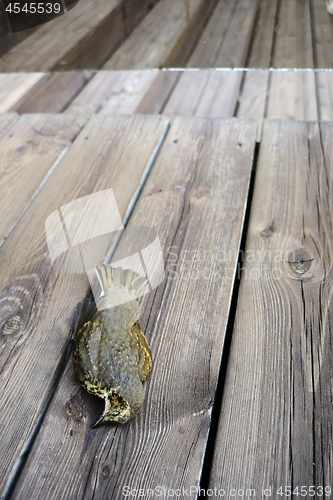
pixel 112 357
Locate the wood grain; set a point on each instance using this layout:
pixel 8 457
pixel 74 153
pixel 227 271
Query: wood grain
pixel 292 95
pixel 129 92
pixel 212 38
pixel 37 302
pixel 253 96
pixel 56 93
pixel 59 38
pixel 236 44
pixel 29 150
pixel 275 425
pixel 16 87
pixel 202 172
pixel 98 90
pixel 293 42
pixel 219 98
pixel 263 35
pixel 187 94
pixel 324 87
pixel 159 93
pixel 164 38
pixel 205 94
pixel 6 121
pixel 322 23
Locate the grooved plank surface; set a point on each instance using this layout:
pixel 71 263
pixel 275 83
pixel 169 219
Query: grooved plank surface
pixel 220 95
pixel 263 35
pixel 28 151
pixel 165 36
pixel 276 421
pixel 293 43
pixel 322 23
pixel 98 90
pixel 15 87
pixel 184 320
pixel 82 38
pixel 292 95
pixel 6 121
pixel 212 38
pixel 129 92
pixel 237 41
pixel 36 301
pixel 205 94
pixel 324 87
pixel 56 93
pixel 252 99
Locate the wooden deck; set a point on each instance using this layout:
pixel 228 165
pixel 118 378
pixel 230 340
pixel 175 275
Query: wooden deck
pixel 239 192
pixel 231 164
pixel 117 34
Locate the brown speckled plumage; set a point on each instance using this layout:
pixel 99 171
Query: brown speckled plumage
pixel 111 356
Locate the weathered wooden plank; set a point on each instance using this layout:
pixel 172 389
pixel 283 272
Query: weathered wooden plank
pixel 29 151
pixel 164 38
pixel 261 49
pixel 203 174
pixel 159 93
pixel 129 92
pixel 322 23
pixel 98 90
pixel 219 98
pixel 293 42
pixel 56 93
pixel 235 46
pixel 58 39
pixel 36 301
pixel 185 98
pixel 292 95
pixel 252 99
pixel 16 87
pixel 6 121
pixel 100 42
pixel 275 427
pixel 324 87
pixel 210 42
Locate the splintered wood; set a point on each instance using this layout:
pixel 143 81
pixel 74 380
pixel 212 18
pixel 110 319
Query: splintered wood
pixel 275 426
pixel 195 196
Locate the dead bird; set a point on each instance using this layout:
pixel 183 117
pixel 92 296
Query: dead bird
pixel 111 355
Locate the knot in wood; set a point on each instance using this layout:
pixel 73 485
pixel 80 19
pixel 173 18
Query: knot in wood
pixel 11 325
pixel 300 261
pixel 200 192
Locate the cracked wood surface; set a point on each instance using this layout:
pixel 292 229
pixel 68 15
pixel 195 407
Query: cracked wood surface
pixel 36 302
pixel 195 196
pixel 275 426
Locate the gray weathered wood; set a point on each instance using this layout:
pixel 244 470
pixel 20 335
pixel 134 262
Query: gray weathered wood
pixel 6 121
pixel 36 302
pixel 253 96
pixel 322 23
pixel 29 150
pixel 56 93
pixel 293 42
pixel 291 95
pixel 212 38
pixel 16 87
pixel 236 44
pixel 324 88
pixel 164 38
pixel 195 197
pixel 275 426
pixel 263 34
